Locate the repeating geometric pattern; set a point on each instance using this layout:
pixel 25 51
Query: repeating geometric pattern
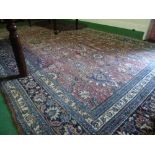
pixel 80 82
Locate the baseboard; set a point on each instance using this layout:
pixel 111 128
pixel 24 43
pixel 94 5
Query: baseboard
pixel 115 30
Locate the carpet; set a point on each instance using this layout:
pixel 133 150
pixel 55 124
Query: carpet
pixel 80 82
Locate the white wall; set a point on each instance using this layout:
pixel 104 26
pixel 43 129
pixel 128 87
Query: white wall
pixel 137 24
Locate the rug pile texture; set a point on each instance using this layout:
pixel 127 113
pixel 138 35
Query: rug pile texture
pixel 80 82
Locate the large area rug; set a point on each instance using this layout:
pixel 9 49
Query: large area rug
pixel 80 82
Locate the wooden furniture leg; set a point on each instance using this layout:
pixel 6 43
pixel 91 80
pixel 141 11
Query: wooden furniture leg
pixel 49 21
pixel 55 26
pixel 76 24
pixel 17 47
pixel 29 21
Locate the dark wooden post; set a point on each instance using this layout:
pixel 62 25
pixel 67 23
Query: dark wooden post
pixel 55 26
pixel 49 21
pixel 76 24
pixel 29 21
pixel 17 47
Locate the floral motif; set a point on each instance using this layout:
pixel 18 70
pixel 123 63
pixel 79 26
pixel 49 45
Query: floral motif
pixel 40 98
pixel 99 76
pixel 53 112
pixel 142 120
pixel 30 84
pixel 98 56
pixel 69 129
pixel 84 94
pixel 80 72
